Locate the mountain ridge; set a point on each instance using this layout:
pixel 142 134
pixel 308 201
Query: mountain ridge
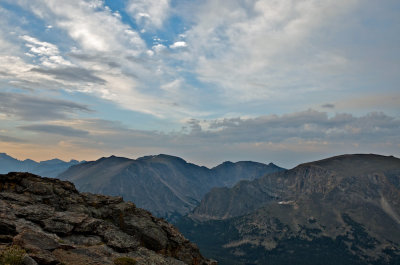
pixel 47 168
pixel 344 208
pixel 166 185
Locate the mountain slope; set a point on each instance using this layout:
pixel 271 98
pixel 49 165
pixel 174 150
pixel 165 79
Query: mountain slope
pixel 50 168
pixel 167 186
pixel 55 224
pixel 341 210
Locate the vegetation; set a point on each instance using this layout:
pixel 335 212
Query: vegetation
pixel 124 261
pixel 12 255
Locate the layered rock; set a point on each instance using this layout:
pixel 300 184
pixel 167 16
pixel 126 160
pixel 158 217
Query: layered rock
pixel 56 224
pixel 341 210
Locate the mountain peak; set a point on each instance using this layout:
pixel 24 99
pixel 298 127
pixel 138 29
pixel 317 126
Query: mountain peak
pixel 162 157
pixel 5 156
pixel 344 208
pixel 348 163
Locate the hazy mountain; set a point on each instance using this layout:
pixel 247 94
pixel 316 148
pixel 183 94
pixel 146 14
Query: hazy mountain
pixel 341 210
pixel 50 168
pixel 227 174
pixel 167 186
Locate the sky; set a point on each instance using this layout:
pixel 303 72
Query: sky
pixel 282 81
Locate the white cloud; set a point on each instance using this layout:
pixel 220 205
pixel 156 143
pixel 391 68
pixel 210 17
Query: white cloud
pixel 263 53
pixel 159 48
pixel 254 49
pixel 105 49
pixel 149 13
pixel 178 44
pixel 47 52
pixel 90 23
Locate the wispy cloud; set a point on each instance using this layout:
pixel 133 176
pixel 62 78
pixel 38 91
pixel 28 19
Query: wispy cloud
pixel 72 74
pixel 328 106
pixel 10 139
pixel 54 129
pixel 32 108
pixel 48 53
pixel 149 13
pixel 310 132
pixel 226 71
pixel 261 48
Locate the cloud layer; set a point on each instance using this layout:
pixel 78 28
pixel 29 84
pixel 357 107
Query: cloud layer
pixel 207 77
pixel 296 136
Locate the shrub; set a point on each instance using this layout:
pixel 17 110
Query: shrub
pixel 124 261
pixel 12 256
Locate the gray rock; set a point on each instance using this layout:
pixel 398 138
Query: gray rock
pixel 118 240
pixel 27 260
pixel 59 225
pixel 7 228
pixel 34 240
pixel 83 240
pixel 44 257
pixel 35 212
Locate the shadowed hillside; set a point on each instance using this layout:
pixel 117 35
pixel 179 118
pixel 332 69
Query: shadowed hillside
pixel 341 210
pixel 167 186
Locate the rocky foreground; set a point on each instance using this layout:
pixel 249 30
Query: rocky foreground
pixel 55 224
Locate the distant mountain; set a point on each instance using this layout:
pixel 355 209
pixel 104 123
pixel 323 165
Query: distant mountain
pixel 341 210
pixel 167 186
pixel 50 168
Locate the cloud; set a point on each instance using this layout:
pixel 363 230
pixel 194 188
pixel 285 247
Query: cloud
pixel 264 48
pixel 310 133
pixel 54 129
pixel 245 58
pixel 10 139
pixel 178 44
pixel 72 74
pixel 47 52
pixel 103 32
pixel 32 108
pixel 108 58
pixel 149 13
pixel 308 125
pixel 328 106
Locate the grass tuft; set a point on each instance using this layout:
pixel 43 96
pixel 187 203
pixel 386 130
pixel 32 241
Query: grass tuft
pixel 12 255
pixel 124 261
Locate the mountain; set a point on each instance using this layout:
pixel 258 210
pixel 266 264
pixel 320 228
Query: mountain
pixel 50 168
pixel 340 210
pixel 228 174
pixel 55 224
pixel 166 185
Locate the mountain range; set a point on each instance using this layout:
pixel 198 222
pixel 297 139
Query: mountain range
pixel 49 168
pixel 166 185
pixel 341 210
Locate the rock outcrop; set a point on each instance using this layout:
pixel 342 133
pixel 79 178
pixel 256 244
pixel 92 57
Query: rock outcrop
pixel 55 224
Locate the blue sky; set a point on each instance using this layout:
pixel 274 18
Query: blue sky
pixel 283 81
